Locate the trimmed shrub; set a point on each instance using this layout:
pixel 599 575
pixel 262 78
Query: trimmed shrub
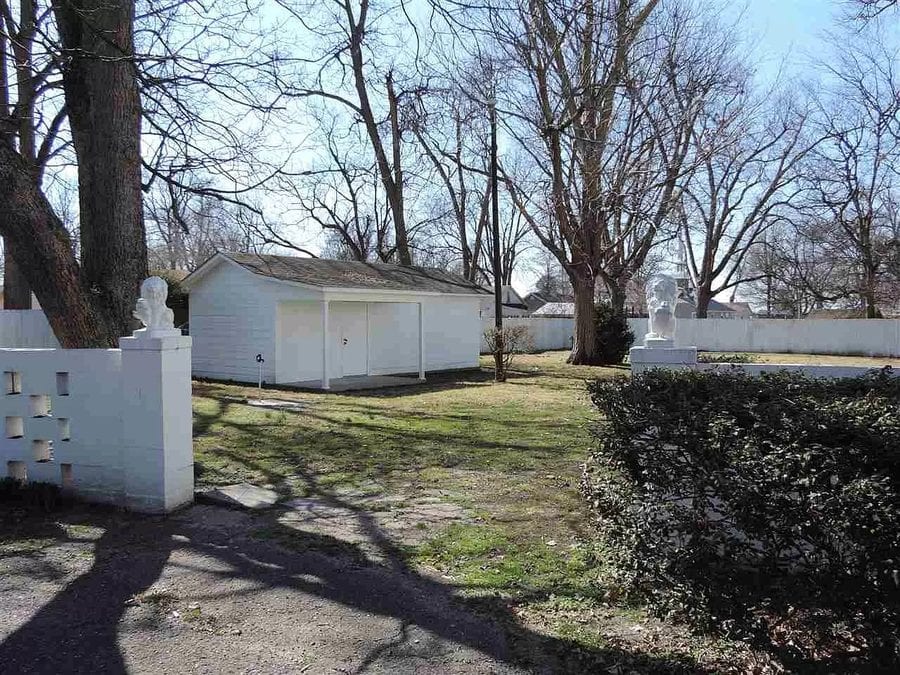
pixel 614 338
pixel 766 508
pixel 707 357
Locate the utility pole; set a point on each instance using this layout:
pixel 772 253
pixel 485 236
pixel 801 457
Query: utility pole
pixel 499 372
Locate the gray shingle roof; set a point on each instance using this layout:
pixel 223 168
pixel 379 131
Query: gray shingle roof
pixel 351 274
pixel 556 309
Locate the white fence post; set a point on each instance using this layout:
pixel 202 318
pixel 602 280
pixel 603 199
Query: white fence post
pixel 156 419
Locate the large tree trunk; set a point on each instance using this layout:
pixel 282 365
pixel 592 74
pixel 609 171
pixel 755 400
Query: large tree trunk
pixel 40 244
pixel 584 345
pixel 16 291
pixel 88 305
pixel 704 295
pixel 104 107
pixel 869 295
pixel 395 195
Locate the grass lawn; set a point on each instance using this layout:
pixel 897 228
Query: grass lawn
pixel 509 455
pixel 820 359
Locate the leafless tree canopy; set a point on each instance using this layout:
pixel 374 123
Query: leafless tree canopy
pixel 634 135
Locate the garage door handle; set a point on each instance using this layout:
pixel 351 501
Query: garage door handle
pixel 346 341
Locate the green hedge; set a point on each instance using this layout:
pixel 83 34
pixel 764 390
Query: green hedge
pixel 766 508
pixel 614 337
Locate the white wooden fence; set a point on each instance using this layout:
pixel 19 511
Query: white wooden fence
pixel 546 332
pixel 869 337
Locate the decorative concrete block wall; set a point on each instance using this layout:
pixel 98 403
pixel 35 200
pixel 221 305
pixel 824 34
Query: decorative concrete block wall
pixel 108 425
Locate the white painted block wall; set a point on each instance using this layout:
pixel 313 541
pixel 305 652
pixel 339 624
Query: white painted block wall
pixel 109 425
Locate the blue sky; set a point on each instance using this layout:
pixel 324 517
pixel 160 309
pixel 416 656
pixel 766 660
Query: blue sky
pixel 788 32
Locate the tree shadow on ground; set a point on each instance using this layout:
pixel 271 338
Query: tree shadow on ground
pixel 77 631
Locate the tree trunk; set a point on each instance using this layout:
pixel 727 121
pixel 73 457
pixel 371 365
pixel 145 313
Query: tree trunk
pixel 396 195
pixel 16 291
pixel 869 296
pixel 704 295
pixel 616 295
pixel 584 345
pixel 104 107
pixel 39 242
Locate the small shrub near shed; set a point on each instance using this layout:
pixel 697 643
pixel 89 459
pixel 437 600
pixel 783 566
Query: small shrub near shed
pixel 766 508
pixel 511 340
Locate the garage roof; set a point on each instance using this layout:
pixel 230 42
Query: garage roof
pixel 351 274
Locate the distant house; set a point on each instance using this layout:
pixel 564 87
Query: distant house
pixel 537 299
pixel 312 321
pixel 556 309
pixel 742 310
pixel 686 307
pixel 513 303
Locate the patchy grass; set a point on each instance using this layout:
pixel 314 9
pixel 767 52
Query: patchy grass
pixel 815 359
pixel 510 454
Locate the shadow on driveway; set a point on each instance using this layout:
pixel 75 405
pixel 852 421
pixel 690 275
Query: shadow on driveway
pixel 324 608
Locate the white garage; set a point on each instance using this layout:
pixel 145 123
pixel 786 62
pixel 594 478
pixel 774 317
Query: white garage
pixel 323 323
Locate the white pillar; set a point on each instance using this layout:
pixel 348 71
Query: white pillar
pixel 421 340
pixel 326 379
pixel 156 420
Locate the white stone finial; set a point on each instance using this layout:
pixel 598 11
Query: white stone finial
pixel 662 292
pixel 151 310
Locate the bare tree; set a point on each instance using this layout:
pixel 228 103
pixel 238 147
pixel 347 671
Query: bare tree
pixel 852 212
pixel 604 99
pixel 572 62
pixel 515 239
pixel 342 193
pixel 30 113
pixel 447 124
pixel 749 159
pixel 350 32
pixel 867 10
pixel 184 228
pixel 87 303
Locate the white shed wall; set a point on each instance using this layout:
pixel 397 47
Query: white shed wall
pixel 233 317
pixel 452 332
pixel 393 338
pixel 298 353
pixel 452 336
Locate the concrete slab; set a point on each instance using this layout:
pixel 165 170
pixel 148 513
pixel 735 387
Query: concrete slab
pixel 276 404
pixel 240 495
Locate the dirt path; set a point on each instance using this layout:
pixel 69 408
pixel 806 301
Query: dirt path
pixel 203 592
